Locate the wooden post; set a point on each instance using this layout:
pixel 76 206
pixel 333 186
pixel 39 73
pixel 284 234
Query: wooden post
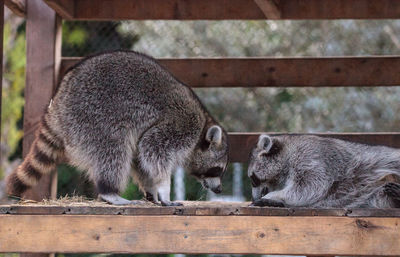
pixel 1 50
pixel 43 34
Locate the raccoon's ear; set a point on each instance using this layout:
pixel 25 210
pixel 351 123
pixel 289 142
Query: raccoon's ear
pixel 264 143
pixel 214 135
pixel 268 146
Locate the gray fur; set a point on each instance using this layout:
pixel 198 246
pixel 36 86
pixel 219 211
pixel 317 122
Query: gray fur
pixel 314 171
pixel 120 110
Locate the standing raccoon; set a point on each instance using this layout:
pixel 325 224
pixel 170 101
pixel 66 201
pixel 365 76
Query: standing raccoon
pixel 119 112
pixel 313 171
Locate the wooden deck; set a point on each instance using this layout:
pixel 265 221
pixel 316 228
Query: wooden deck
pixel 190 208
pixel 197 227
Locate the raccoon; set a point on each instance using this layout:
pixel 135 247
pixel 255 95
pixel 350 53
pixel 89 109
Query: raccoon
pixel 121 113
pixel 312 171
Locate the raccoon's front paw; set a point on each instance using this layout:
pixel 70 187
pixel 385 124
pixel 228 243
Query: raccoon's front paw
pixel 114 199
pixel 168 203
pixel 267 202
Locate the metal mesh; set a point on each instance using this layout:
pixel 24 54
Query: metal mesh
pixel 235 38
pixel 81 38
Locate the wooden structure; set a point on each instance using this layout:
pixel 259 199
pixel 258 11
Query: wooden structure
pixel 198 227
pixel 215 229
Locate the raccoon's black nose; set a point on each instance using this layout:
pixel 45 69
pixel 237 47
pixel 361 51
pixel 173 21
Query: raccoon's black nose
pixel 217 190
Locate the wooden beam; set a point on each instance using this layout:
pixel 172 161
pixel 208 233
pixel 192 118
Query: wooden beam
pixel 17 6
pixel 43 32
pixel 200 234
pixel 190 208
pixel 281 72
pixel 64 8
pixel 269 8
pixel 232 9
pixel 242 143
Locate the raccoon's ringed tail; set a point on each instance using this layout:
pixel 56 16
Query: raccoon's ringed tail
pixel 42 158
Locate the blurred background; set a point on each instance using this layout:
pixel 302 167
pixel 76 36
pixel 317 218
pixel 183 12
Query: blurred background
pixel 237 109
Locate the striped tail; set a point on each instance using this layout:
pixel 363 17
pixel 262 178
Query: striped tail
pixel 45 152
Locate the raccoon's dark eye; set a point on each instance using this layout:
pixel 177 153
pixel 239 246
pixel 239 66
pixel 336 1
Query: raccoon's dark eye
pixel 214 172
pixel 198 175
pixel 204 145
pixel 255 181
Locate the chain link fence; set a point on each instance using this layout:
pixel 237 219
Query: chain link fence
pixel 235 38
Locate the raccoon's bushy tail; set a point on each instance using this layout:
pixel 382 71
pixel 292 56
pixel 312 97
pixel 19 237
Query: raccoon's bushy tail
pixel 45 152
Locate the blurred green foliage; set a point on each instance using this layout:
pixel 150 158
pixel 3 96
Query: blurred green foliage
pixel 12 93
pixel 82 38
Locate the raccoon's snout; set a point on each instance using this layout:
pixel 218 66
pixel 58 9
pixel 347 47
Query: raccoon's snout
pixel 217 190
pixel 214 184
pixel 258 192
pixel 205 184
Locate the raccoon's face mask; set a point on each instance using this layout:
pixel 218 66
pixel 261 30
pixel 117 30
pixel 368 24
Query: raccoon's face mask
pixel 210 159
pixel 265 167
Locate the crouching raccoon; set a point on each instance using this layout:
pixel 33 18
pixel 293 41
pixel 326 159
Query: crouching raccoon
pixel 118 110
pixel 313 171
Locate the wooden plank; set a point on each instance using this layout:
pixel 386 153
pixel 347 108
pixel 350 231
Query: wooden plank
pixel 269 8
pixel 198 208
pixel 18 7
pixel 242 143
pixel 281 72
pixel 233 9
pixel 65 8
pixel 197 234
pixel 43 32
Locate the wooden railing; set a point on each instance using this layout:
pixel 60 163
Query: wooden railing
pixel 198 228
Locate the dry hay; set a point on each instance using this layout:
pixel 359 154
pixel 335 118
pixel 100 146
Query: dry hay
pixel 83 201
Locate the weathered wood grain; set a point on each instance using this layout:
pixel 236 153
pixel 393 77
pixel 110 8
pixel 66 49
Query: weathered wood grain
pixel 197 234
pixel 43 32
pixel 281 72
pixel 232 9
pixel 198 208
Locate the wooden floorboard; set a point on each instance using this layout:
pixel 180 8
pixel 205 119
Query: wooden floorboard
pixel 198 208
pixel 197 227
pixel 200 234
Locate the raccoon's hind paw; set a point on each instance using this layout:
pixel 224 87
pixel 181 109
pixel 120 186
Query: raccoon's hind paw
pixel 267 202
pixel 168 203
pixel 114 199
